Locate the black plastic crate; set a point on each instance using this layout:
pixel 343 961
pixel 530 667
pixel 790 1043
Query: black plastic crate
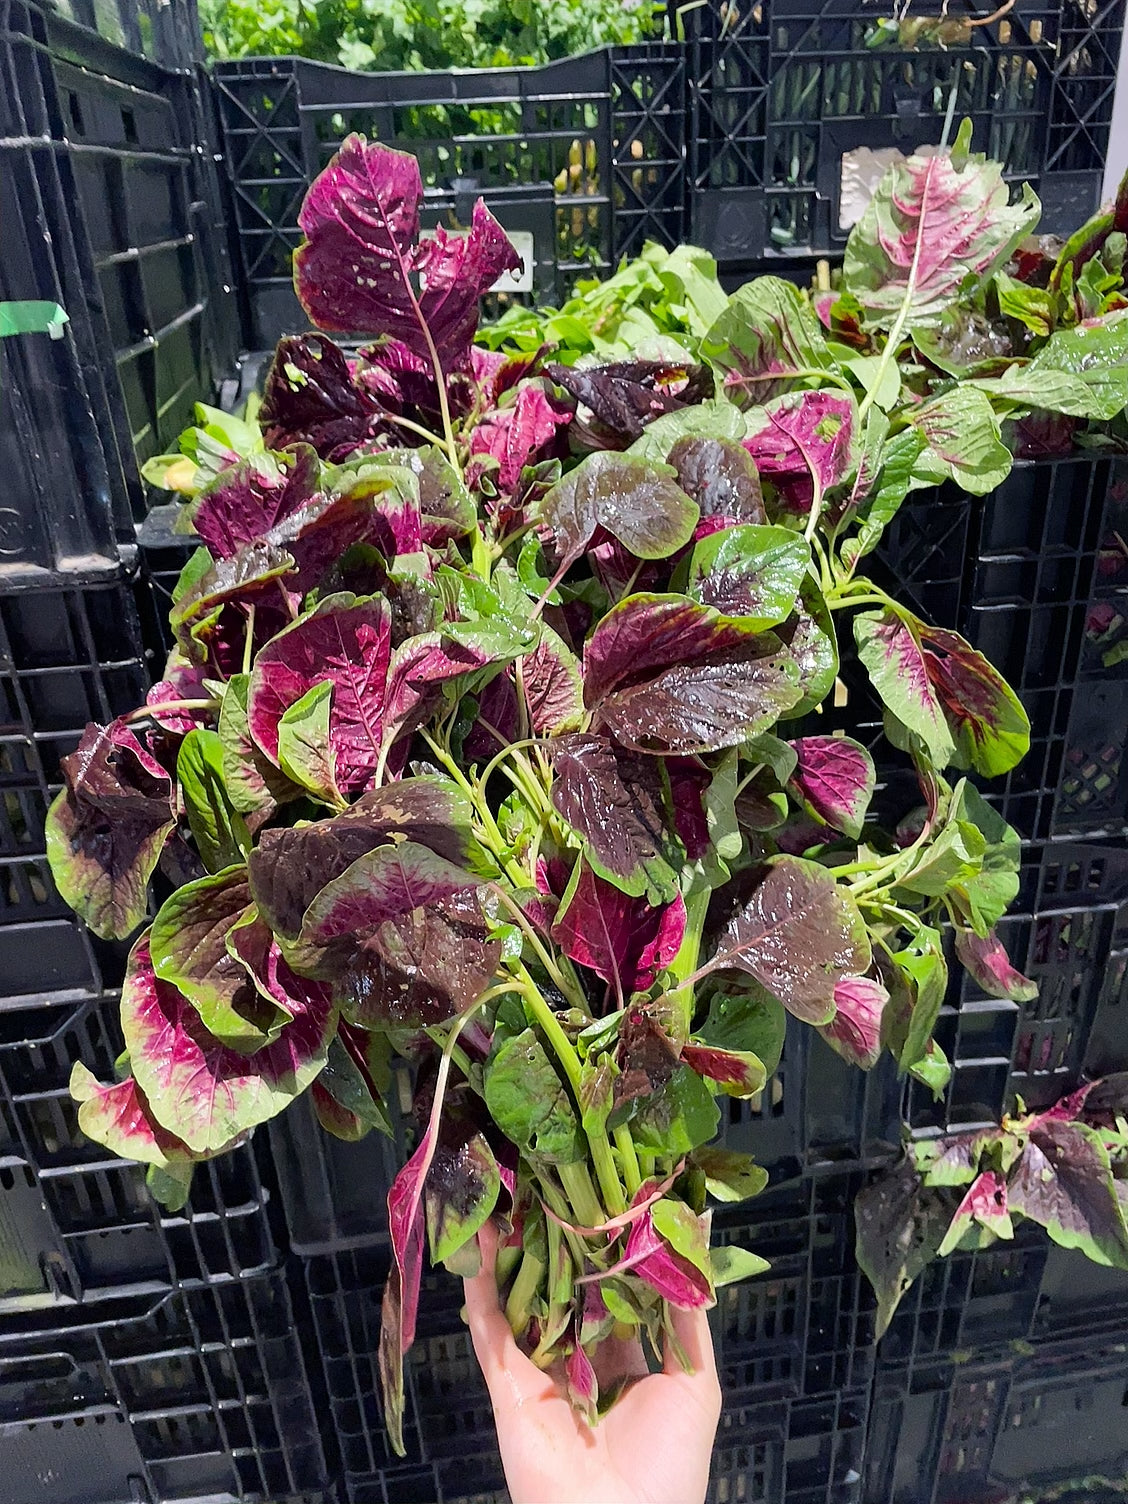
pixel 1069 933
pixel 1015 1424
pixel 76 1222
pixel 198 1394
pixel 585 155
pixel 782 92
pixel 111 210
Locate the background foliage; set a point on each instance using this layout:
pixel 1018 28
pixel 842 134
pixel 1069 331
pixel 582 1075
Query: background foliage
pixel 393 35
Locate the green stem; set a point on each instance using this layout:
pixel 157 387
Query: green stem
pixel 628 1158
pixel 456 1052
pixel 581 1193
pixel 147 712
pixel 523 1292
pixel 683 968
pixel 647 1158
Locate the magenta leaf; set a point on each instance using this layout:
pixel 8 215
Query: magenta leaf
pixel 855 1030
pixel 615 800
pixel 803 444
pixel 622 939
pixel 311 396
pixel 418 670
pixel 119 1118
pixel 322 532
pixel 292 864
pixel 987 722
pixel 254 784
pixel 677 1278
pixel 665 674
pixel 106 829
pixel 799 935
pixel 210 619
pixel 834 777
pixel 400 1307
pixel 356 269
pixel 553 686
pixel 583 1386
pixel 516 435
pixel 1064 1181
pixel 738 1073
pixel 402 934
pixel 636 501
pixel 933 223
pixel 343 640
pixel 625 396
pixel 246 501
pixel 198 1087
pixel 445 506
pixel 985 959
pixel 889 645
pixel 985 1202
pixel 182 681
pixel 721 477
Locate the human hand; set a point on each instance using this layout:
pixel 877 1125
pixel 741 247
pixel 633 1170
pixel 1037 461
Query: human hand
pixel 652 1447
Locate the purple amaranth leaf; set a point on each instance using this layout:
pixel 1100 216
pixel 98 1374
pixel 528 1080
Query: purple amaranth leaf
pixel 988 724
pixel 900 1224
pixel 721 477
pixel 254 784
pixel 803 444
pixel 738 1073
pixel 291 865
pixel 356 269
pixel 182 681
pixel 799 935
pixel 400 1306
pixel 889 645
pixel 583 1386
pixel 622 939
pixel 834 776
pixel 517 435
pixel 402 934
pixel 310 396
pixel 933 222
pixel 674 1276
pixel 986 960
pixel 119 1118
pixel 616 802
pixel 553 686
pixel 462 1186
pixel 646 1056
pixel 689 783
pixel 496 371
pixel 766 339
pixel 106 829
pixel 636 501
pixel 243 503
pixel 345 641
pixel 855 1030
pixel 1064 1181
pixel 417 672
pixel 497 708
pixel 750 571
pixel 321 533
pixel 209 621
pixel 199 1088
pixel 985 1202
pixel 625 396
pixel 665 674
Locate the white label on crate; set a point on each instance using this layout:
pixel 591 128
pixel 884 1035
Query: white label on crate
pixel 860 171
pixel 522 241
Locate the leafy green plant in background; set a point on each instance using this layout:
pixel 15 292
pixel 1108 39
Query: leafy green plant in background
pixel 490 736
pixel 394 35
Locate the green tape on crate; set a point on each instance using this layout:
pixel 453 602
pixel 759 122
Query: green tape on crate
pixel 32 318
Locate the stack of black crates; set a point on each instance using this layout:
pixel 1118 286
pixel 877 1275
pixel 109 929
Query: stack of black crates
pixel 228 1352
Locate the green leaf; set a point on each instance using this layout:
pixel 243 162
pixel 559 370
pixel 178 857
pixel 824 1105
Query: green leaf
pixel 1051 391
pixel 897 477
pixel 985 897
pixel 679 1117
pixel 744 1017
pixel 1032 306
pixel 220 832
pixel 705 420
pixel 731 1264
pixel 766 341
pixel 878 377
pixel 170 1184
pixel 254 785
pixel 1097 354
pixel 729 1175
pixel 933 1070
pixel 953 856
pixel 749 571
pixel 304 751
pixel 529 1103
pixel 342 1079
pixel 963 441
pixel 922 967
